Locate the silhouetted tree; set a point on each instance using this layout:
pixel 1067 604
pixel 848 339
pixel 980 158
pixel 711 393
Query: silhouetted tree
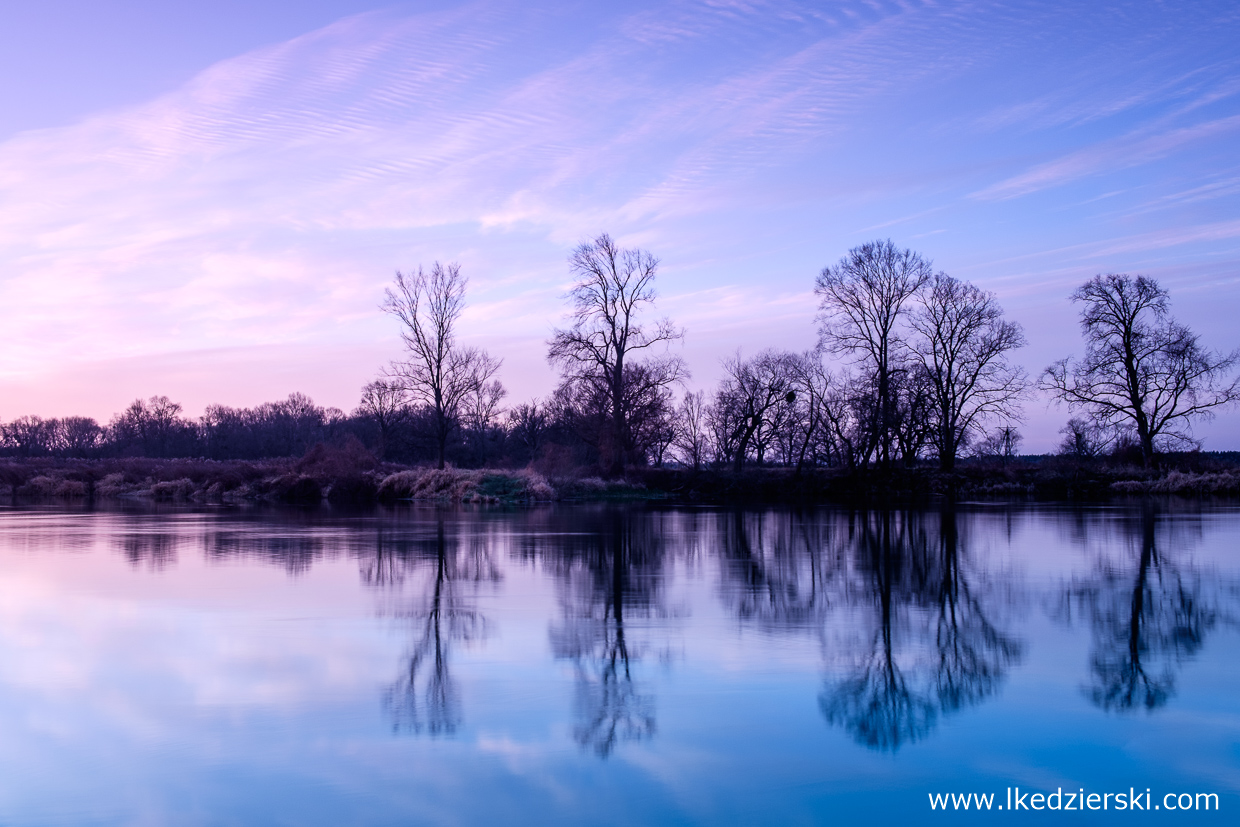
pixel 612 290
pixel 863 299
pixel 527 428
pixel 963 350
pixel 438 372
pixel 1141 368
pixel 1083 438
pixel 752 401
pixel 29 436
pixel 78 436
pixel 153 428
pixel 692 435
pixel 583 407
pixel 387 403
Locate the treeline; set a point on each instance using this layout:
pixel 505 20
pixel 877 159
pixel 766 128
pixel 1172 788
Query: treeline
pixel 156 428
pixel 911 365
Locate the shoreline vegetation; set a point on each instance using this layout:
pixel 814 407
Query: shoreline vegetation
pixel 351 476
pixel 911 393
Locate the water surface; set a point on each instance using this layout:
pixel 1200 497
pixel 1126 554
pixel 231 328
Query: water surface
pixel 612 665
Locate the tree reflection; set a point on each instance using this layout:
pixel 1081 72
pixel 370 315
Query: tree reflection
pixel 425 698
pixel 973 653
pixel 931 647
pixel 883 702
pixel 778 569
pixel 1147 618
pixel 158 550
pixel 607 580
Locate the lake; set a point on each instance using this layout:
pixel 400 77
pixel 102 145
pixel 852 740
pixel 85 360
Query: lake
pixel 610 664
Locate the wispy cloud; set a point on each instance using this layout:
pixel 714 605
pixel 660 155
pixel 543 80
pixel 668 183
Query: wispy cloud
pixel 1121 153
pixel 267 201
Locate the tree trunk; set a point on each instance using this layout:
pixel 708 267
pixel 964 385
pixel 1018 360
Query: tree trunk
pixel 618 449
pixel 441 436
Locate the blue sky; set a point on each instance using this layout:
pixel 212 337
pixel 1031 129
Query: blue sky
pixel 207 200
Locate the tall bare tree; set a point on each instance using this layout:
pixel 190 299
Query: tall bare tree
pixel 613 288
pixel 1141 370
pixel 862 300
pixel 963 349
pixel 438 371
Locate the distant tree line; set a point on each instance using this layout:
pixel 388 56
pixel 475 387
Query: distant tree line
pixel 911 366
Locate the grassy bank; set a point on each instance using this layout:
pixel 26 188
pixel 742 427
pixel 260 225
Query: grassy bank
pixel 343 476
pixel 324 474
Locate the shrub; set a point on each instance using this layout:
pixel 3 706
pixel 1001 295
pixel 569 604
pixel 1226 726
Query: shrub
pixel 357 489
pixel 173 490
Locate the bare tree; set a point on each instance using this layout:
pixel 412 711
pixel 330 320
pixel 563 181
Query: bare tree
pixel 963 353
pixel 584 404
pixel 438 372
pixel 814 386
pixel 1141 368
pixel 481 410
pixel 862 300
pixel 153 427
pixel 1082 438
pixel 753 395
pixel 527 424
pixel 613 288
pixel 29 436
pixel 387 403
pixel 692 434
pixel 78 436
pixel 1003 443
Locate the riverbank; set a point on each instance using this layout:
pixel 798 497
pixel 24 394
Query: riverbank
pixel 324 474
pixel 341 476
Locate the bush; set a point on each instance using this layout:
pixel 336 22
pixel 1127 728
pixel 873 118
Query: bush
pixel 297 489
pixel 357 489
pixel 173 490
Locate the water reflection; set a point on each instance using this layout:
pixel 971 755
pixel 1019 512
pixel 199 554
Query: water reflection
pixel 425 697
pixel 155 550
pixel 911 626
pixel 932 647
pixel 973 652
pixel 607 579
pixel 911 618
pixel 778 569
pixel 1148 614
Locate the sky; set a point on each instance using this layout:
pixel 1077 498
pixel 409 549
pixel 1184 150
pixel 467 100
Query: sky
pixel 207 200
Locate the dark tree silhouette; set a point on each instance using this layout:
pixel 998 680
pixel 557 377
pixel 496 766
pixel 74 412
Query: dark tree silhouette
pixel 752 400
pixel 387 403
pixel 613 288
pixel 438 372
pixel 1142 370
pixel 863 299
pixel 963 348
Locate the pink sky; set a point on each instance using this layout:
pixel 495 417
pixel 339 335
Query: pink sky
pixel 228 238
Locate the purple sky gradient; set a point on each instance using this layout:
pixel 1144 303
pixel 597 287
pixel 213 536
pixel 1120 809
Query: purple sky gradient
pixel 206 201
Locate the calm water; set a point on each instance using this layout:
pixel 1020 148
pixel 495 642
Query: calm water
pixel 607 665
